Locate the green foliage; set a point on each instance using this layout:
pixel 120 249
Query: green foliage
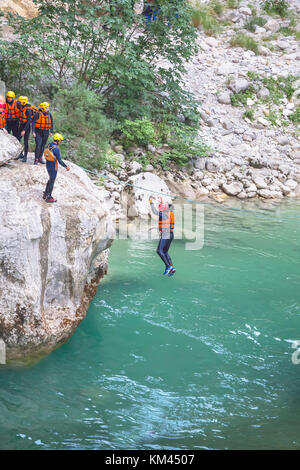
pixel 232 3
pixel 295 117
pixel 238 99
pixel 278 87
pixel 78 115
pixel 180 141
pixel 271 37
pixel 244 41
pixel 253 9
pixel 254 21
pixel 286 31
pixel 217 6
pixel 140 132
pixel 109 55
pixel 253 75
pixel 273 117
pixel 205 17
pixel 113 160
pixel 280 7
pixel 289 31
pixel 109 48
pixel 183 146
pixel 249 114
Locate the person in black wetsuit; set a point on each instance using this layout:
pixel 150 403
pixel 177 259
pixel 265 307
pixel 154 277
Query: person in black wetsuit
pixel 42 126
pixel 25 114
pixel 52 156
pixel 166 222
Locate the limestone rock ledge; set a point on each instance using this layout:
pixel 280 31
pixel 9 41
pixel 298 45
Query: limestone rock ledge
pixel 52 256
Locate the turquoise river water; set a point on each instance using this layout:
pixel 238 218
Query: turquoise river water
pixel 206 359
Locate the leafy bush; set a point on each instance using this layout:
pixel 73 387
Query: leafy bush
pixel 217 7
pixel 254 21
pixel 205 17
pixel 78 115
pixel 244 41
pixel 181 141
pixel 140 132
pixel 280 7
pixel 183 145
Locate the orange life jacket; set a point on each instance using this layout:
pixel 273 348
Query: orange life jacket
pixel 12 111
pixel 168 224
pixel 43 122
pixel 2 119
pixel 22 112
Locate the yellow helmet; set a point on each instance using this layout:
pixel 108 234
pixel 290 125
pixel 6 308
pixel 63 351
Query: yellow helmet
pixel 58 137
pixel 44 105
pixel 23 100
pixel 10 94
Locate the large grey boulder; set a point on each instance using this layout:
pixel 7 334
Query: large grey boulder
pixel 263 93
pixel 138 190
pixel 226 68
pixel 224 97
pixel 52 257
pixel 134 167
pixel 259 182
pixel 272 25
pixel 200 163
pixel 238 85
pixel 10 148
pixel 232 189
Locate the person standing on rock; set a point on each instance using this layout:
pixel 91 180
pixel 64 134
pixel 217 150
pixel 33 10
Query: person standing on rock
pixel 52 156
pixel 2 115
pixel 25 114
pixel 12 114
pixel 42 126
pixel 166 223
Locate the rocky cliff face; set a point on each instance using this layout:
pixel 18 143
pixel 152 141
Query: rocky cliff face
pixel 52 257
pixel 24 8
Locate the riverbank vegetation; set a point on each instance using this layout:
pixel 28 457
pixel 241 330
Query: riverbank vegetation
pixel 101 65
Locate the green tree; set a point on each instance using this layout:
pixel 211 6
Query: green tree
pixel 135 65
pixel 85 127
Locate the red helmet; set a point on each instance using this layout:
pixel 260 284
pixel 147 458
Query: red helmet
pixel 162 206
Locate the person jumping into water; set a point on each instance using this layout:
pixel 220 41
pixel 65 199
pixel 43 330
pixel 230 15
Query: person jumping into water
pixel 166 229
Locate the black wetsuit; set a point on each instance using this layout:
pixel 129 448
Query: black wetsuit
pixel 41 136
pixel 52 168
pixel 25 127
pixel 166 238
